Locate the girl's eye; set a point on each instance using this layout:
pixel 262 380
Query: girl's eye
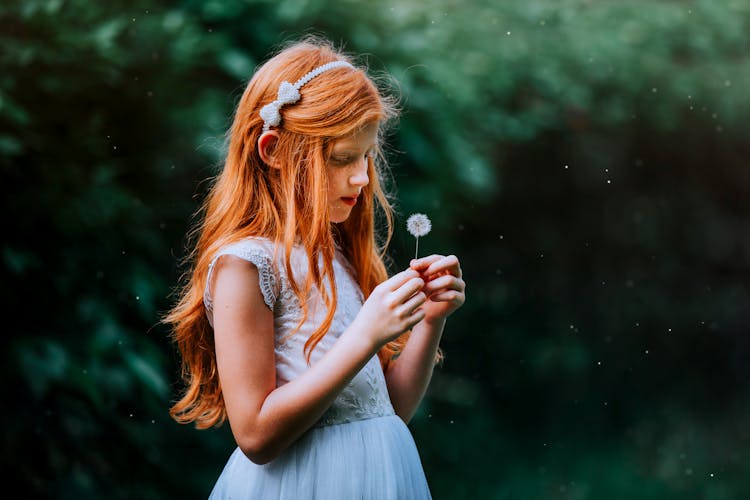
pixel 346 160
pixel 341 159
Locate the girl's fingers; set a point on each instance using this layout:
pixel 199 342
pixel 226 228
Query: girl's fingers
pixel 436 264
pixel 449 263
pixel 397 280
pixel 447 296
pixel 413 303
pixel 424 262
pixel 446 282
pixel 408 289
pixel 418 316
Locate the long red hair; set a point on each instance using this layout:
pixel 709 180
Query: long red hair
pixel 286 205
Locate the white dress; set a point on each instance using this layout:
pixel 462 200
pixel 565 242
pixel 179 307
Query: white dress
pixel 359 449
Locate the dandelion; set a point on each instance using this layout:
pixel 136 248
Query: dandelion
pixel 418 225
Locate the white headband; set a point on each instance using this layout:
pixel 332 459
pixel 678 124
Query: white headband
pixel 289 94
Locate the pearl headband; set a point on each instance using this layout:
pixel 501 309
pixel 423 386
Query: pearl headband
pixel 289 94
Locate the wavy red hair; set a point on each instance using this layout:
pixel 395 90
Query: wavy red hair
pixel 285 205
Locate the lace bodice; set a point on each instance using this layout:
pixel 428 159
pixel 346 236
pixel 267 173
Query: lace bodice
pixel 366 396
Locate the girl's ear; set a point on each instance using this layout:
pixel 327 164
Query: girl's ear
pixel 267 148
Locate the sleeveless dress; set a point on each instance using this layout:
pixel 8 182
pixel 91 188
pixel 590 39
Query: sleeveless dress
pixel 359 449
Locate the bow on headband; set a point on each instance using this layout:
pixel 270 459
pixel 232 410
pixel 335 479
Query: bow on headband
pixel 289 94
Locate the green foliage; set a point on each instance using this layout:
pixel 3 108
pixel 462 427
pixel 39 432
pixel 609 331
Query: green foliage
pixel 94 136
pixel 585 160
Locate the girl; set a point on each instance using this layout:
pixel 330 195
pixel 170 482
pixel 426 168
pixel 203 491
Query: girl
pixel 289 326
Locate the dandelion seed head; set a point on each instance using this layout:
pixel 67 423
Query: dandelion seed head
pixel 418 225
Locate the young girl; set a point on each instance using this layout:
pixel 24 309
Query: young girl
pixel 289 326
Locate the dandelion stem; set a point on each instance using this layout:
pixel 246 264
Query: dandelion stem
pixel 416 252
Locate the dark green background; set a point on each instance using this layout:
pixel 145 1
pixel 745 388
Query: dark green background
pixel 586 160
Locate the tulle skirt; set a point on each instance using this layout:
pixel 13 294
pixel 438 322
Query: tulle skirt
pixel 373 459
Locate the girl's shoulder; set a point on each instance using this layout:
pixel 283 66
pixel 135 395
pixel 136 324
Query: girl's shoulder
pixel 250 245
pixel 259 252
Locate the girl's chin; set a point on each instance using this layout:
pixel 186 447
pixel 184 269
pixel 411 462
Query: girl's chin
pixel 340 214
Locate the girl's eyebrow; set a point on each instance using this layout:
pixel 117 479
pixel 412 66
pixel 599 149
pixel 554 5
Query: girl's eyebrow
pixel 350 149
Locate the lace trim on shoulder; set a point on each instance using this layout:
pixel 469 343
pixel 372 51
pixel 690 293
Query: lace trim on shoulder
pixel 259 257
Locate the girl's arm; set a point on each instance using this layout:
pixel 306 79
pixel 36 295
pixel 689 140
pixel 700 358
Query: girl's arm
pixel 409 374
pixel 265 419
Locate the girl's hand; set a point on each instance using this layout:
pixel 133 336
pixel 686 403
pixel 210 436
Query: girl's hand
pixel 444 287
pixel 392 308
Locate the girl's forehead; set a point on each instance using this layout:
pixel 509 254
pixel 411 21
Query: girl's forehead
pixel 366 136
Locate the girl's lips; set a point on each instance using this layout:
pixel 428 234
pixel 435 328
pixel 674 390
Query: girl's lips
pixel 349 201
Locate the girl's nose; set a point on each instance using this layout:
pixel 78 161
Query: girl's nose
pixel 359 177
